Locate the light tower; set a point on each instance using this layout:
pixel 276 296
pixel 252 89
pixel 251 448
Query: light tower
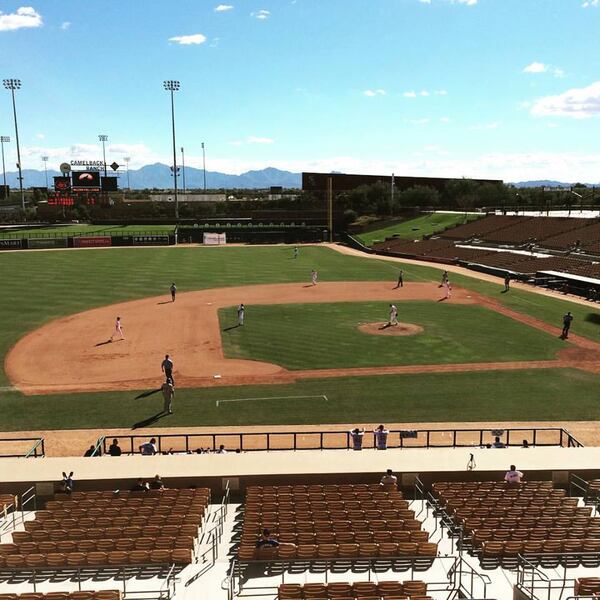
pixel 173 86
pixel 45 159
pixel 104 139
pixel 12 85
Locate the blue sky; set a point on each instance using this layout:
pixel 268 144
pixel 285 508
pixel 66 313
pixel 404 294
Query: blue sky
pixel 496 88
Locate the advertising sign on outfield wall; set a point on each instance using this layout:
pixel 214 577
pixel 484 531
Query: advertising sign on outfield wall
pixel 97 241
pixel 214 239
pixel 150 240
pixel 47 243
pixel 10 244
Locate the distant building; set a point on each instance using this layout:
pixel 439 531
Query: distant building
pixel 342 182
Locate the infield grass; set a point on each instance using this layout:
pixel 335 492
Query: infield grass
pixel 326 336
pixel 415 229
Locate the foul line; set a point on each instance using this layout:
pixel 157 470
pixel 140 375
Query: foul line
pixel 322 396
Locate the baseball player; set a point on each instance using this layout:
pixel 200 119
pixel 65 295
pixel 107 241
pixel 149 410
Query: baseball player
pixel 118 330
pixel 296 252
pixel 393 314
pixel 400 279
pixel 448 289
pixel 240 314
pixel 444 279
pixel 168 391
pixel 167 368
pixel 314 277
pixel 173 289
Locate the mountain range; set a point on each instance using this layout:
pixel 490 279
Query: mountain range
pixel 159 176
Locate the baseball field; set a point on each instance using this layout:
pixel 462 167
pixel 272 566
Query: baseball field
pixel 305 354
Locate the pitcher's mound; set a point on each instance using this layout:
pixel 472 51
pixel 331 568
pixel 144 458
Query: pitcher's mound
pixel 385 329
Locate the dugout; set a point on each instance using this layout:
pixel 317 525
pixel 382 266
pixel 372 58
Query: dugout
pixel 579 285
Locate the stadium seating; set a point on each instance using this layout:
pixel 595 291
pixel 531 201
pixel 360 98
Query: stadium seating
pixel 500 521
pixel 384 590
pixel 587 586
pixel 480 228
pixel 104 528
pixel 357 521
pixel 101 595
pixel 6 500
pixel 586 237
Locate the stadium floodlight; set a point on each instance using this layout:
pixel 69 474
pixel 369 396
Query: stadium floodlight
pixel 12 85
pixel 4 139
pixel 103 139
pixel 45 159
pixel 171 85
pixel 127 159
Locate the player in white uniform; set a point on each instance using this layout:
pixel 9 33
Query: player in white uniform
pixel 241 312
pixel 118 330
pixel 314 276
pixel 296 252
pixel 448 289
pixel 393 314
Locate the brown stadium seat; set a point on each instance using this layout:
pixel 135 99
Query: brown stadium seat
pixel 96 559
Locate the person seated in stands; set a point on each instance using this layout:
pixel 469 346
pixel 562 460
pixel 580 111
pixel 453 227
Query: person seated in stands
pixel 381 436
pixel 389 481
pixel 266 539
pixel 90 451
pixel 140 486
pixel 357 438
pixel 513 476
pixel 148 448
pixel 114 449
pixel 67 483
pixel 157 483
pixel 497 443
pixel 221 449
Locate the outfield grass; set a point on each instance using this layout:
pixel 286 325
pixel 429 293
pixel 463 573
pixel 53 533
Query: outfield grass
pixel 417 228
pixel 68 230
pixel 527 395
pixel 325 336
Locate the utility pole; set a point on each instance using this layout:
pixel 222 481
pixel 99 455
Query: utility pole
pixel 183 168
pixel 392 191
pixel 330 206
pixel 104 139
pixel 12 85
pixel 204 165
pixel 172 86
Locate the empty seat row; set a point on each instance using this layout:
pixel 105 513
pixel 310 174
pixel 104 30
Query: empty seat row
pixel 166 493
pixel 471 524
pixel 320 488
pixel 103 503
pixel 440 486
pixel 344 537
pixel 529 511
pixel 115 511
pixel 38 535
pixel 104 545
pixel 330 551
pixel 554 533
pixel 587 586
pixel 97 558
pixel 329 526
pixel 367 589
pixel 313 514
pixel 101 595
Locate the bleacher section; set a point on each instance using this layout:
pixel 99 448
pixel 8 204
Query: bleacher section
pixel 480 228
pixel 105 528
pixel 101 595
pixel 332 521
pixel 588 586
pixel 368 590
pixel 586 238
pixel 500 521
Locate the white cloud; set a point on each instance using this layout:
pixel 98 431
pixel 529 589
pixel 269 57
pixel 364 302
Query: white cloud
pixel 223 7
pixel 539 67
pixel 441 93
pixel 423 93
pixel 577 103
pixel 40 136
pixel 410 94
pixel 590 3
pixel 24 17
pixel 422 121
pixel 260 140
pixel 65 25
pixel 261 14
pixel 372 93
pixel 425 1
pixel 466 2
pixel 188 40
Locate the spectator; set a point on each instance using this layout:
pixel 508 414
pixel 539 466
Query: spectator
pixel 67 483
pixel 497 443
pixel 221 449
pixel 267 540
pixel 381 436
pixel 90 451
pixel 149 448
pixel 389 480
pixel 157 483
pixel 114 449
pixel 357 438
pixel 140 486
pixel 513 476
pixel 525 444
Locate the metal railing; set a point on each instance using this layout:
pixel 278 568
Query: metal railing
pixel 14 514
pixel 460 576
pixel 342 440
pixel 120 574
pixel 580 487
pixel 35 449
